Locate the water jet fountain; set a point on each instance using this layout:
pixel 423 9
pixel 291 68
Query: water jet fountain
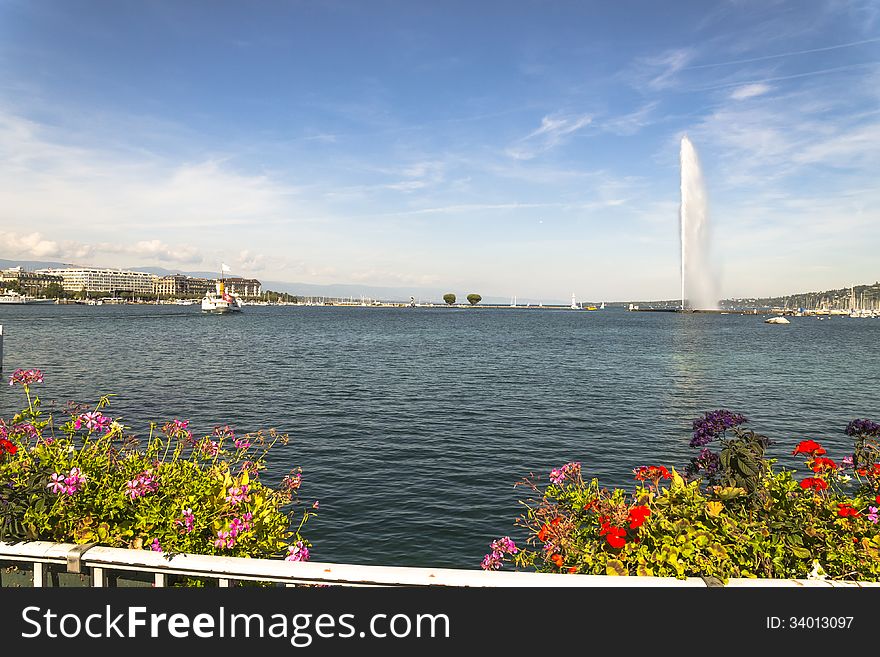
pixel 698 289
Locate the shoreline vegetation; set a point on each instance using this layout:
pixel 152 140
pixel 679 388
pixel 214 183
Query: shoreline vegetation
pixel 83 477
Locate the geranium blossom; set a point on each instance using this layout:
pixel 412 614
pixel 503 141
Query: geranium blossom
pixel 141 485
pixel 558 475
pixel 810 447
pixel 237 495
pixel 297 552
pixel 847 511
pixel 187 520
pixel 820 464
pixel 7 447
pixel 25 377
pixel 637 516
pixel 92 421
pixel 815 483
pixel 651 473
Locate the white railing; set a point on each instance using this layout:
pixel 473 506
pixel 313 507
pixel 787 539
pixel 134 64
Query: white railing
pixel 98 561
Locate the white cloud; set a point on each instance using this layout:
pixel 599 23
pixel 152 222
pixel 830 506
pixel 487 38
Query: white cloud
pixel 661 71
pixel 553 131
pixel 750 91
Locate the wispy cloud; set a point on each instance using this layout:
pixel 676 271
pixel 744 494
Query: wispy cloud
pixel 553 131
pixel 750 91
pixel 661 71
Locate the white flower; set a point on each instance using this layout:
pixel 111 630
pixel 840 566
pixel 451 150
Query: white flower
pixel 818 572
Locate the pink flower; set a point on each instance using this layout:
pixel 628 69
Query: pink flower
pixel 187 520
pixel 292 481
pixel 25 377
pixel 209 447
pixel 92 421
pixel 242 443
pixel 297 552
pixel 155 546
pixel 558 475
pixel 315 505
pixel 56 483
pixel 224 539
pixel 238 495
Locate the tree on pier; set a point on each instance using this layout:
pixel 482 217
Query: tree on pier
pixel 474 299
pixel 449 298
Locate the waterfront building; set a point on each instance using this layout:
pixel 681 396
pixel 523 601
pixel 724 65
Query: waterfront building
pixel 181 286
pixel 111 281
pixel 244 287
pixel 28 282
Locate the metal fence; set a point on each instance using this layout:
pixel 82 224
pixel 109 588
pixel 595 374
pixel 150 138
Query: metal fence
pixel 96 563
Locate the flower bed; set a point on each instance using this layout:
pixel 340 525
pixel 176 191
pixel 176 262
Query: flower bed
pixel 85 478
pixel 730 514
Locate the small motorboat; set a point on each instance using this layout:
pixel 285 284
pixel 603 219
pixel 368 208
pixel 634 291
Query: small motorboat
pixel 776 320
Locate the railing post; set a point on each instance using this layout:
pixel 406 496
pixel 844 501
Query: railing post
pixel 39 575
pixel 98 578
pixel 159 580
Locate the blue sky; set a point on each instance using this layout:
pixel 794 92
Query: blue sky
pixel 523 148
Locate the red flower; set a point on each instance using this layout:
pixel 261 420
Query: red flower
pixel 6 446
pixel 545 528
pixel 616 540
pixel 877 499
pixel 814 483
pixel 616 536
pixel 651 473
pixel 558 560
pixel 637 516
pixel 810 447
pixel 572 570
pixel 821 463
pixel 846 511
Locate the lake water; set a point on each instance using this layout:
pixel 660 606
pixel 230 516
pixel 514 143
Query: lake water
pixel 413 424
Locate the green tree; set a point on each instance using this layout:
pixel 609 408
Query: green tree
pixel 474 299
pixel 449 298
pixel 54 291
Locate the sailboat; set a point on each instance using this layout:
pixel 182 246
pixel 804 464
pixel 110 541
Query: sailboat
pixel 220 301
pixel 574 306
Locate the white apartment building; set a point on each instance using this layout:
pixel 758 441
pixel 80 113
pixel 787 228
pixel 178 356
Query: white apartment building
pixel 112 281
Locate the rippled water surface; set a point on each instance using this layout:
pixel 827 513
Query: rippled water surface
pixel 412 425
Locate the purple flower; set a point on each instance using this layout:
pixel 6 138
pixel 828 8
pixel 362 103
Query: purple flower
pixel 25 377
pixel 847 461
pixel 714 424
pixel 863 427
pixel 297 552
pixel 872 516
pixel 155 546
